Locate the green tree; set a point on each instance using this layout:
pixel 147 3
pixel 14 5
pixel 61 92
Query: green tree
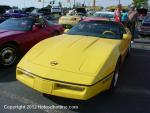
pixel 140 3
pixel 49 6
pixel 15 7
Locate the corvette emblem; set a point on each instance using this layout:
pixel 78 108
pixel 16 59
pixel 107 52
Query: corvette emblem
pixel 53 63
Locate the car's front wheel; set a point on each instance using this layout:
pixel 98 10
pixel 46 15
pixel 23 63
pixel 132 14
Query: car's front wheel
pixel 9 54
pixel 129 50
pixel 115 78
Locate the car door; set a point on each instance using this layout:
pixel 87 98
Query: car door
pixel 126 40
pixel 41 32
pixel 47 29
pixel 32 37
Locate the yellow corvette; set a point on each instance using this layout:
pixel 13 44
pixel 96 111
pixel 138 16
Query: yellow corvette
pixel 69 21
pixel 78 64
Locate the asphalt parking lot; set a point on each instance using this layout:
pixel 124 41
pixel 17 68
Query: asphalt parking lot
pixel 131 96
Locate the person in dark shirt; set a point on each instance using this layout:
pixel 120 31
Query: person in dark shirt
pixel 132 15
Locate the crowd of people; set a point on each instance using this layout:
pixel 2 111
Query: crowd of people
pixel 129 18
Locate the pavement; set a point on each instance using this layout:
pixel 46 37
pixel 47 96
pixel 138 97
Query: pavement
pixel 131 96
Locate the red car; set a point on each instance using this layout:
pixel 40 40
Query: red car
pixel 18 35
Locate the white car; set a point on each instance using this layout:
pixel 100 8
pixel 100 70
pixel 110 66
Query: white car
pixel 105 14
pixel 56 9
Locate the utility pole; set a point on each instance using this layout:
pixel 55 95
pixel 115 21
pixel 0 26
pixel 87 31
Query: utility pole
pixel 94 2
pixel 74 3
pixel 119 2
pixel 24 4
pixel 43 3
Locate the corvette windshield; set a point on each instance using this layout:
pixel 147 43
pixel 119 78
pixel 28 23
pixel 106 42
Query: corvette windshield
pixel 17 24
pixel 100 29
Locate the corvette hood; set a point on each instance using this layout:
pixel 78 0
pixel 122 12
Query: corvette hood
pixel 80 54
pixel 5 33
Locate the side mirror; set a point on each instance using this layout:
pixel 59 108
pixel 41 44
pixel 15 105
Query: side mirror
pixel 125 36
pixel 66 30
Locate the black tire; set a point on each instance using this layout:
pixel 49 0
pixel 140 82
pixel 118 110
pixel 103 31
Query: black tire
pixel 9 55
pixel 115 78
pixel 142 35
pixel 129 50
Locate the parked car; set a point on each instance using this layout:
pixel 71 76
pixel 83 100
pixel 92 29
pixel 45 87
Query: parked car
pixel 142 13
pixel 44 12
pixel 35 13
pixel 2 18
pixel 144 28
pixel 79 64
pixel 4 8
pixel 81 10
pixel 105 14
pixel 15 13
pixel 72 18
pixel 18 35
pixel 90 13
pixel 69 21
pixel 56 9
pixel 92 18
pixel 28 10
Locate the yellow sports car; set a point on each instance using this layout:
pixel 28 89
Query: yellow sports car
pixel 69 21
pixel 78 64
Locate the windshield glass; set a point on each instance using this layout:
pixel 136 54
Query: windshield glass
pixel 103 15
pixel 100 29
pixel 50 23
pixel 17 24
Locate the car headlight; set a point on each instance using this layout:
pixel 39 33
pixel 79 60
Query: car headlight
pixel 23 72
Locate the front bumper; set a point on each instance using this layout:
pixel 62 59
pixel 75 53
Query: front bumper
pixel 62 89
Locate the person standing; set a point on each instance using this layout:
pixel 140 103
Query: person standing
pixel 117 12
pixel 124 17
pixel 132 15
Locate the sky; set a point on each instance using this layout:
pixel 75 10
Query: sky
pixel 35 3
